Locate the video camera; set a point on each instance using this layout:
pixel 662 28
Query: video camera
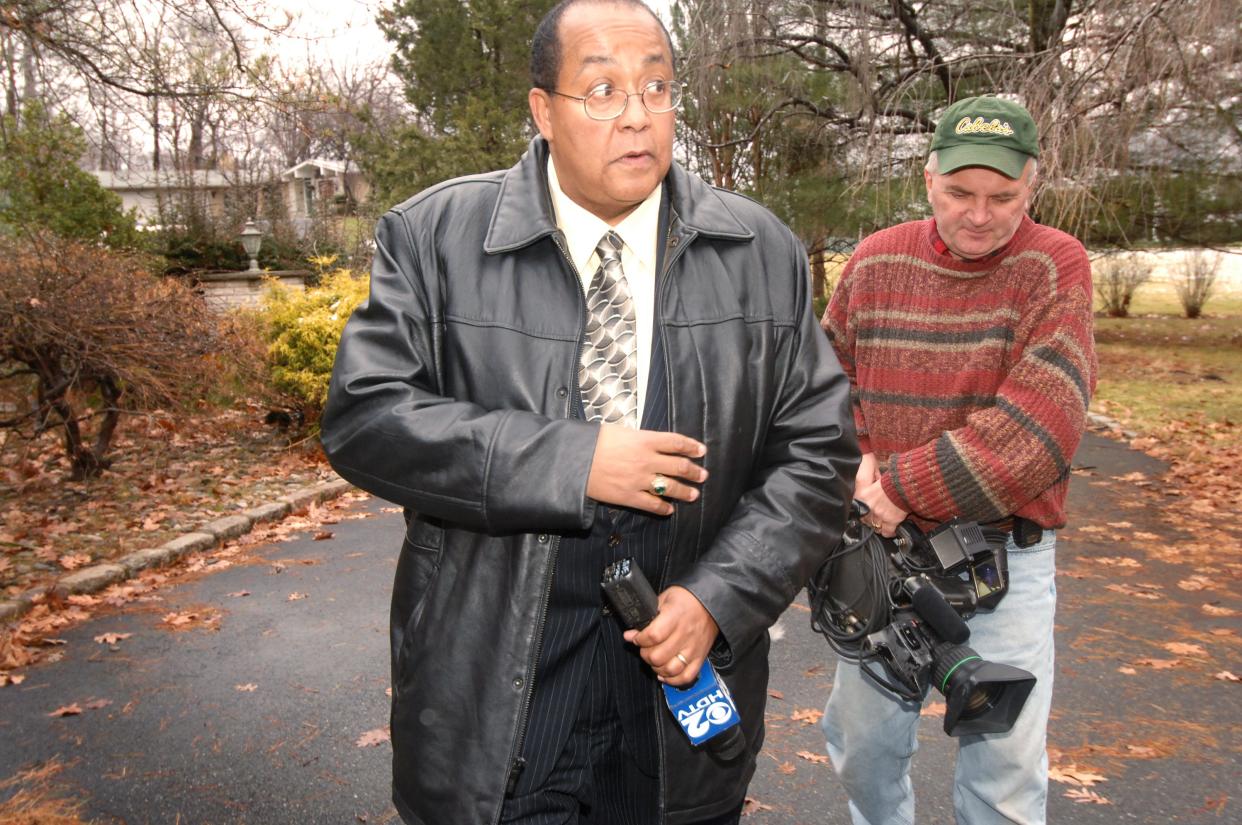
pixel 903 603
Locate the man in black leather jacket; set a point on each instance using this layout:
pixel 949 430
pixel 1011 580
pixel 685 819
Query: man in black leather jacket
pixel 458 394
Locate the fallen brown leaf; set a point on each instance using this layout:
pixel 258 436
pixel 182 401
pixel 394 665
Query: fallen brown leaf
pixel 1184 649
pixel 1084 795
pixel 807 716
pixel 936 710
pixel 238 594
pixel 66 710
pixel 374 737
pixel 1141 591
pixel 1113 561
pixel 817 758
pixel 72 561
pixel 296 597
pixel 1158 664
pixel 111 638
pixel 1226 676
pixel 1214 803
pixel 323 535
pixel 1195 582
pixel 787 768
pixel 1073 775
pixel 1129 671
pixel 776 694
pixel 753 805
pixel 249 687
pixel 187 619
pixel 1217 610
pixel 96 704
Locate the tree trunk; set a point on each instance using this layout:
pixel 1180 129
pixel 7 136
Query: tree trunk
pixel 195 150
pixel 818 274
pixel 155 133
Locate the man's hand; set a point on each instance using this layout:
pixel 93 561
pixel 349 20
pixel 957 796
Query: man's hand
pixel 884 515
pixel 627 461
pixel 683 627
pixel 868 473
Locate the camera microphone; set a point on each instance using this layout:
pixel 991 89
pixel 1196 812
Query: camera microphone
pixel 934 609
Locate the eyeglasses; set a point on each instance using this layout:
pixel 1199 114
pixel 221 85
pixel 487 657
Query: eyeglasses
pixel 606 102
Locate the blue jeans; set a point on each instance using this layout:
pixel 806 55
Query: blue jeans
pixel 1000 778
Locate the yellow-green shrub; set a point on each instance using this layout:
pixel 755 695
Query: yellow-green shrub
pixel 303 328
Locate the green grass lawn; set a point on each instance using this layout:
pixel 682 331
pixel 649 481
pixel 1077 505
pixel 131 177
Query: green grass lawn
pixel 1162 374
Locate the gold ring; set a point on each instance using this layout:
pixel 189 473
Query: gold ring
pixel 683 658
pixel 659 485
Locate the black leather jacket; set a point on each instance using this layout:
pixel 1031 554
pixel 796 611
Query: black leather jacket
pixel 451 397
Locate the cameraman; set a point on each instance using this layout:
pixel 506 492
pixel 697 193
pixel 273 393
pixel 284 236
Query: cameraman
pixel 967 340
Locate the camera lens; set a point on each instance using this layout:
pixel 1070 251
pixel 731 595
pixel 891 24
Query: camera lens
pixel 983 697
pixel 981 700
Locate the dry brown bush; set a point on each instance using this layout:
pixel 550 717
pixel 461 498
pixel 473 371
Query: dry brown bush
pixel 88 334
pixel 1195 279
pixel 1117 277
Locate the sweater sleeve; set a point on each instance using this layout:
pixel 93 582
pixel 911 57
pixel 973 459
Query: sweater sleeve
pixel 1009 452
pixel 843 336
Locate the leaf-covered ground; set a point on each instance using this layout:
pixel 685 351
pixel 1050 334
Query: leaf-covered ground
pixel 170 473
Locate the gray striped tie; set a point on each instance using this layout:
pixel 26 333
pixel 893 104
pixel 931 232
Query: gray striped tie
pixel 608 376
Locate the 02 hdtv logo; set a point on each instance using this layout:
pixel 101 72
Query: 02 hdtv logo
pixel 703 709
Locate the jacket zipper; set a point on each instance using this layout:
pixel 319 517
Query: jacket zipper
pixel 518 763
pixel 662 286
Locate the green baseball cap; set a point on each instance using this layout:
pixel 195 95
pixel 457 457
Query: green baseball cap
pixel 985 131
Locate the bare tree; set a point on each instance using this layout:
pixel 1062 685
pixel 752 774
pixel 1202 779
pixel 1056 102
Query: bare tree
pixel 96 39
pixel 1115 85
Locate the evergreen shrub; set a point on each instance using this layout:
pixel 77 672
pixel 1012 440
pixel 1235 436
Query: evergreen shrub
pixel 303 328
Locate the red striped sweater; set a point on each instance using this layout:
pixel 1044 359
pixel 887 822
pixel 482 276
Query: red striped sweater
pixel 970 379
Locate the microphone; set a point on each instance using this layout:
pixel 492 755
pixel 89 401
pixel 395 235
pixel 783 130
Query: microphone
pixel 932 607
pixel 706 713
pixel 704 710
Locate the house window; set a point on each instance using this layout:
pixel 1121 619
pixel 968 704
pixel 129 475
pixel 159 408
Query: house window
pixel 308 195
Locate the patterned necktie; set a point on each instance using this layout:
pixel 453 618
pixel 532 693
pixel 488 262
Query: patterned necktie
pixel 608 376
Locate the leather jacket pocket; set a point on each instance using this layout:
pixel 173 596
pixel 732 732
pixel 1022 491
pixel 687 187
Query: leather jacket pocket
pixel 416 571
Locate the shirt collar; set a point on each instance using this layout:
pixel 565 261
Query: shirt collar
pixel 942 248
pixel 583 229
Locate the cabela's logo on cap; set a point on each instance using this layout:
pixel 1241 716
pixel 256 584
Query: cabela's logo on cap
pixel 979 126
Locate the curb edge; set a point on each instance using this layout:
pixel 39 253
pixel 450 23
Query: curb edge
pixel 206 536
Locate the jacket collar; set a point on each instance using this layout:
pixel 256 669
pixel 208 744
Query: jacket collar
pixel 523 212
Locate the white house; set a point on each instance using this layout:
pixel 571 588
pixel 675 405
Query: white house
pixel 147 191
pixel 320 186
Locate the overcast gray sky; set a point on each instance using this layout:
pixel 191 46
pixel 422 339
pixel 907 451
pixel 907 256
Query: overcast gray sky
pixel 346 31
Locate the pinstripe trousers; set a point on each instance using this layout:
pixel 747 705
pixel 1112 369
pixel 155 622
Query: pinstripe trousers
pixel 596 780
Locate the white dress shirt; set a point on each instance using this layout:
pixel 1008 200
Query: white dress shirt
pixel 583 231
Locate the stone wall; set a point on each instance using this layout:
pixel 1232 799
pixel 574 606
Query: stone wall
pixel 229 290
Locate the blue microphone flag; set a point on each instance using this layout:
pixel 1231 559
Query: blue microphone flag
pixel 705 708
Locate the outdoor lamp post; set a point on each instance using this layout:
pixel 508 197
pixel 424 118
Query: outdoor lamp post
pixel 251 238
